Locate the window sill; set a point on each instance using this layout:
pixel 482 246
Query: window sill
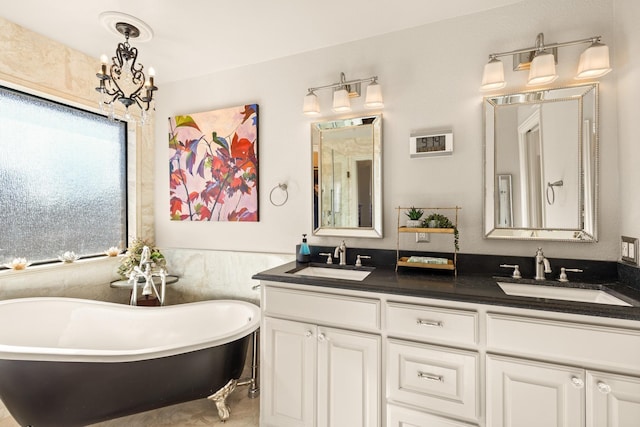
pixel 67 266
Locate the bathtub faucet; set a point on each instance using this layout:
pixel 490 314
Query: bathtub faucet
pixel 144 271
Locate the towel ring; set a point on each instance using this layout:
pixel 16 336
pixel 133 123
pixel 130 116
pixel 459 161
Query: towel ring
pixel 551 200
pixel 282 187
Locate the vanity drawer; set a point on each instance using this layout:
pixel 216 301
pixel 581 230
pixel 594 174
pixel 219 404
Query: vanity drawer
pixel 576 343
pixel 321 308
pixel 398 416
pixel 438 379
pixel 427 323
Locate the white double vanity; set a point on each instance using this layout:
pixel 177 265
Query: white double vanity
pixel 340 356
pixel 411 349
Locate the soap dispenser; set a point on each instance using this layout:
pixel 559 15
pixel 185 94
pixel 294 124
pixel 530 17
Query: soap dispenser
pixel 304 254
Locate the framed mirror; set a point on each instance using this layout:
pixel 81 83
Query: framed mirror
pixel 347 177
pixel 541 164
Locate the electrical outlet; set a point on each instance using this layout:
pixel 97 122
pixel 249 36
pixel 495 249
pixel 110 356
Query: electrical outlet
pixel 423 237
pixel 629 249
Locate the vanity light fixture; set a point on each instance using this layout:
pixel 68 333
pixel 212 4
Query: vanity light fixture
pixel 343 92
pixel 311 105
pixel 493 76
pixel 542 69
pixel 541 62
pixel 341 101
pixel 123 79
pixel 594 61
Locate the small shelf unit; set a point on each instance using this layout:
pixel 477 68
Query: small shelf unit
pixel 451 263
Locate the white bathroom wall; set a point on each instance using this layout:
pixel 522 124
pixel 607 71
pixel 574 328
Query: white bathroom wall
pixel 430 77
pixel 627 63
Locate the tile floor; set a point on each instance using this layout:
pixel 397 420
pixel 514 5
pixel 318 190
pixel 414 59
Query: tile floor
pixel 244 413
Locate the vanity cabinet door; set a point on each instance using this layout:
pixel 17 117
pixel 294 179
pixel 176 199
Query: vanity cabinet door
pixel 348 378
pixel 288 373
pixel 612 400
pixel 525 393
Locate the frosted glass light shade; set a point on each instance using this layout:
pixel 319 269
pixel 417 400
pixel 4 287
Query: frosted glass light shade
pixel 493 76
pixel 374 96
pixel 543 69
pixel 341 101
pixel 594 62
pixel 311 105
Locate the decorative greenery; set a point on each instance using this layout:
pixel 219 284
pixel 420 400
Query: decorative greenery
pixel 134 252
pixel 414 214
pixel 443 222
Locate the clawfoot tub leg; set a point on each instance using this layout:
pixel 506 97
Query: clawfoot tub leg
pixel 220 399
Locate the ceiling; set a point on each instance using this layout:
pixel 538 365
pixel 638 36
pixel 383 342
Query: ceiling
pixel 198 37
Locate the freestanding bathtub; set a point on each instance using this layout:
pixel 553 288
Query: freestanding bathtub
pixel 72 362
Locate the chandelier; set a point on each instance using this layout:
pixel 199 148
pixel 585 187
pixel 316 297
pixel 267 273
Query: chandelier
pixel 123 80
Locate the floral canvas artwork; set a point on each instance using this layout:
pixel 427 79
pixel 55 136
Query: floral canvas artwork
pixel 213 165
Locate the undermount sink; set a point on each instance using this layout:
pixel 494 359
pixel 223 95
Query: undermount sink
pixel 332 273
pixel 595 296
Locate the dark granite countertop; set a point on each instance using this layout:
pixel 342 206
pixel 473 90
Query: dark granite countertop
pixel 465 288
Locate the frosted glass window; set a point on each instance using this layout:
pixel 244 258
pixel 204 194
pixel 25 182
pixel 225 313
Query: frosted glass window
pixel 62 180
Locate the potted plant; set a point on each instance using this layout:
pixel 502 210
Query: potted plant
pixel 414 215
pixel 436 220
pixel 132 257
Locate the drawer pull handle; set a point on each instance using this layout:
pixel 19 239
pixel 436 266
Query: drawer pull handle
pixel 426 322
pixel 604 388
pixel 430 377
pixel 308 334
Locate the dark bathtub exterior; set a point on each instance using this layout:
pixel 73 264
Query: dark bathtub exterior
pixel 68 394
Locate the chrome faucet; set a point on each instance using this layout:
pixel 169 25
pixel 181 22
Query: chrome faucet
pixel 341 251
pixel 145 272
pixel 542 265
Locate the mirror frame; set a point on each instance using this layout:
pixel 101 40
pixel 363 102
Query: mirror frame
pixel 531 97
pixel 375 231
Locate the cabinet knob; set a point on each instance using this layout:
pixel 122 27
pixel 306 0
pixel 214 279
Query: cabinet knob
pixel 321 337
pixel 604 388
pixel 308 334
pixel 577 382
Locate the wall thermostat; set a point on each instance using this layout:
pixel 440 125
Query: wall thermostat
pixel 431 144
